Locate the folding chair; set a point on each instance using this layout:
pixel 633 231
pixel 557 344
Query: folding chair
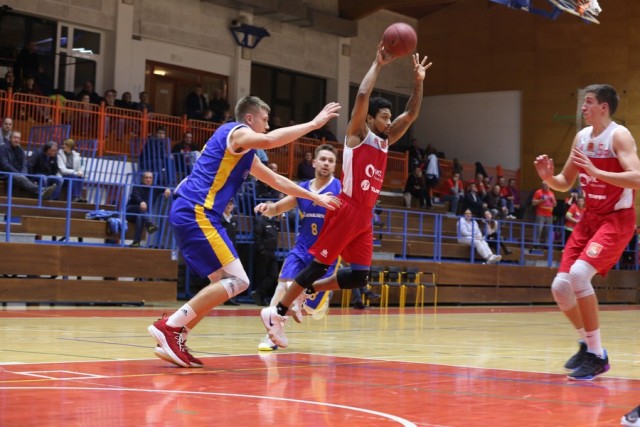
pixel 392 279
pixel 376 278
pixel 415 278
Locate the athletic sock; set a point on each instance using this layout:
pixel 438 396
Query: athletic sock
pixel 582 333
pixel 282 309
pixel 181 317
pixel 593 343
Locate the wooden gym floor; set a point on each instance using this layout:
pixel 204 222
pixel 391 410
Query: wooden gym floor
pixel 486 366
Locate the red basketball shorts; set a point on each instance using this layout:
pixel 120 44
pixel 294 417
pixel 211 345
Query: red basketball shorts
pixel 599 240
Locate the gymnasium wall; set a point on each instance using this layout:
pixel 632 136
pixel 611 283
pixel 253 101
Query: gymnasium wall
pixel 479 46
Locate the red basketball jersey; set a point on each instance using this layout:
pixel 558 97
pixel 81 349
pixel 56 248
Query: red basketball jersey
pixel 602 198
pixel 363 169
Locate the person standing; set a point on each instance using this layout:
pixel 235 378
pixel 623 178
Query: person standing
pixel 605 160
pixel 544 201
pixel 348 232
pixel 199 200
pixel 324 164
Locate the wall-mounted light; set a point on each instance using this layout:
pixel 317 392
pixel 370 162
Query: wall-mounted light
pixel 160 72
pixel 247 35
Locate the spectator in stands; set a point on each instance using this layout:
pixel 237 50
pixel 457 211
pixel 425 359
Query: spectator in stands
pixel 306 170
pixel 196 103
pixel 496 204
pixel 432 171
pixel 110 98
pixel 28 62
pixel 14 160
pixel 70 168
pixel 324 133
pixel 9 82
pixel 185 155
pixel 479 181
pixel 207 116
pixel 230 224
pixel 7 127
pixel 416 188
pixel 544 201
pixel 126 102
pixel 140 203
pixel 154 153
pixel 474 201
pixel 84 118
pixel 143 103
pixel 491 226
pixel 469 233
pixel 44 162
pixel 573 216
pixel 218 105
pixel 507 196
pixel 455 193
pixel 265 240
pixel 276 123
pixel 416 156
pixel 88 89
pixel 264 191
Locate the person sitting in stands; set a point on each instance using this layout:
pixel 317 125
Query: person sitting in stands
pixel 70 168
pixel 44 162
pixel 306 171
pixel 140 201
pixel 14 160
pixel 469 233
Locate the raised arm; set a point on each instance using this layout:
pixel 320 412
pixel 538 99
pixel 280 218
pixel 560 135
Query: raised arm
pixel 401 123
pixel 357 128
pixel 272 209
pixel 245 138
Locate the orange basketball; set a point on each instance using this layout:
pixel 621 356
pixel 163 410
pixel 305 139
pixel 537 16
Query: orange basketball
pixel 400 39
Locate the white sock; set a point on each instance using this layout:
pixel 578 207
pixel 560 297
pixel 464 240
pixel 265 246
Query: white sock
pixel 593 343
pixel 583 334
pixel 181 317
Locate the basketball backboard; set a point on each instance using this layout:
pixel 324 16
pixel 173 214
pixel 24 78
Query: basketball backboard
pixel 588 10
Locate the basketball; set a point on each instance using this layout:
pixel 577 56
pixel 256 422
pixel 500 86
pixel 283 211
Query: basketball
pixel 399 39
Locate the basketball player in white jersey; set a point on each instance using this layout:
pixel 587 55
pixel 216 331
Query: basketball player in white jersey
pixel 604 159
pixel 348 232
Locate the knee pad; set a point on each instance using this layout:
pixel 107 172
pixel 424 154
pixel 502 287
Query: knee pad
pixel 310 274
pixel 234 285
pixel 562 292
pixel 580 276
pixel 351 279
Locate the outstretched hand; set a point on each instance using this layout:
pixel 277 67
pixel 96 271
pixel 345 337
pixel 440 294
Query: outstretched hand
pixel 263 208
pixel 329 112
pixel 544 166
pixel 383 57
pixel 328 201
pixel 419 66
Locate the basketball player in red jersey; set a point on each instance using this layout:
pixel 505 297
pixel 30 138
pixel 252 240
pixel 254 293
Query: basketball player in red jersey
pixel 348 231
pixel 604 159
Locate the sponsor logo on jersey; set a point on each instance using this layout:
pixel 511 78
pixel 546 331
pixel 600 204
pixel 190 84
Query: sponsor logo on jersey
pixel 365 185
pixel 324 253
pixel 245 174
pixel 594 249
pixel 586 179
pixel 372 172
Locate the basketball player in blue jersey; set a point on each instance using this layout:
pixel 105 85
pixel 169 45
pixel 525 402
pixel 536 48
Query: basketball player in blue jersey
pixel 324 163
pixel 226 161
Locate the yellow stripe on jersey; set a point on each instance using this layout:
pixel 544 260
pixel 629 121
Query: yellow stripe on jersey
pixel 217 243
pixel 229 161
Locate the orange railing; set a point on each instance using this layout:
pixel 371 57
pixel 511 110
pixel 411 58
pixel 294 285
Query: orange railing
pixel 115 128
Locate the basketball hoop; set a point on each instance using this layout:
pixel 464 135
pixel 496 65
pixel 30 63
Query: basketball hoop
pixel 585 9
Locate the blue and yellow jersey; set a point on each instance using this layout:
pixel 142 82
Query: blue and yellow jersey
pixel 218 173
pixel 312 214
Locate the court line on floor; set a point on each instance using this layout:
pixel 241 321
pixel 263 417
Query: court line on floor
pixel 399 420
